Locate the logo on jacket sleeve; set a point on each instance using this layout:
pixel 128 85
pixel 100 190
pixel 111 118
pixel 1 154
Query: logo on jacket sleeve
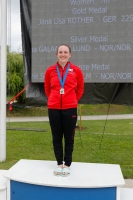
pixel 70 70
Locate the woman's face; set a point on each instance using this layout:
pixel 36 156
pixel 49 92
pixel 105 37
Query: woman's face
pixel 63 54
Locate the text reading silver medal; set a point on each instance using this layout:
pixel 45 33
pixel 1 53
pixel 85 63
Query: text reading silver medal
pixel 62 91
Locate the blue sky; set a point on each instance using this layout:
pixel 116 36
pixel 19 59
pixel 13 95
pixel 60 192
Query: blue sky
pixel 15 32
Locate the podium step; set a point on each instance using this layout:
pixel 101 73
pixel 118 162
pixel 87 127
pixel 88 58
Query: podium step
pixel 34 179
pixel 126 194
pixel 3 185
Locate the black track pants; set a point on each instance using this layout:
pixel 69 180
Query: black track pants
pixel 63 124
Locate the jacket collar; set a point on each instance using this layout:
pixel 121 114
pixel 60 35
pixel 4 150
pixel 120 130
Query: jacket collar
pixel 61 66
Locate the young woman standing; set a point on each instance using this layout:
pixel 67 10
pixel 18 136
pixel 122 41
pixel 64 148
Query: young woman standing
pixel 64 86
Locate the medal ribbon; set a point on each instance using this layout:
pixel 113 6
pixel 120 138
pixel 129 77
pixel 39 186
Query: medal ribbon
pixel 62 82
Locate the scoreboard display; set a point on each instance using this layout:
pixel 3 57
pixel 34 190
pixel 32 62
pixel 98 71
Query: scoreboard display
pixel 99 32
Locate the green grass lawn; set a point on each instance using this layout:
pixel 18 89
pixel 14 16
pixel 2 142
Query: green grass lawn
pixel 92 143
pixel 86 109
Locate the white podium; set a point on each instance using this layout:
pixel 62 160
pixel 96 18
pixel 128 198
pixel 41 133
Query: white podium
pixel 3 185
pixel 34 180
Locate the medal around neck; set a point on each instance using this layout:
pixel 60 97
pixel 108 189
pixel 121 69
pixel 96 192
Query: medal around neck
pixel 62 81
pixel 62 91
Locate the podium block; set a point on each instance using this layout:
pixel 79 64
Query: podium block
pixel 126 194
pixel 3 185
pixel 34 180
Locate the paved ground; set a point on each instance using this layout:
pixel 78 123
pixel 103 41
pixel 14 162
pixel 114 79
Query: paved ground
pixel 98 117
pixel 128 182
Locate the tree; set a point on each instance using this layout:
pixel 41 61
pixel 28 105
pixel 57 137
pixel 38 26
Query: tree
pixel 15 74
